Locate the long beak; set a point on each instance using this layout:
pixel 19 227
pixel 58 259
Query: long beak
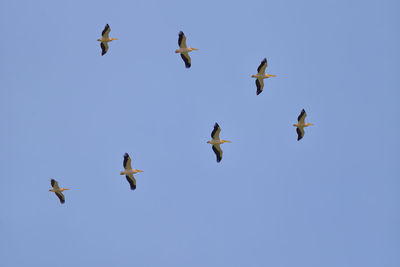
pixel 113 39
pixel 65 189
pixel 270 75
pixel 310 124
pixel 194 48
pixel 139 171
pixel 226 141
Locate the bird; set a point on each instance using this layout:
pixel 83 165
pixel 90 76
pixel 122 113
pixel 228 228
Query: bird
pixel 184 50
pixel 216 142
pixel 129 172
pixel 261 76
pixel 105 39
pixel 301 124
pixel 56 189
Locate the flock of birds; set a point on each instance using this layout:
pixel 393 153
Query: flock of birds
pixel 215 141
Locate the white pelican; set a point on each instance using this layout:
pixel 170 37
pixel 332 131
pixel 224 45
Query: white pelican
pixel 129 172
pixel 216 142
pixel 58 190
pixel 300 124
pixel 184 50
pixel 105 39
pixel 261 76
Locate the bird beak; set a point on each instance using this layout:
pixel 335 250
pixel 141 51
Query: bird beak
pixel 139 171
pixel 194 48
pixel 270 75
pixel 226 141
pixel 310 124
pixel 65 189
pixel 112 39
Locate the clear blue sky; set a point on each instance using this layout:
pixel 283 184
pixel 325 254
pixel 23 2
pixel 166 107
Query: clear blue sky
pixel 68 113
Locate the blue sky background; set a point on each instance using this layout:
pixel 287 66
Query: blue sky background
pixel 68 113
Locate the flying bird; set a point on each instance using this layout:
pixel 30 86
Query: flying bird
pixel 301 124
pixel 184 50
pixel 129 172
pixel 56 189
pixel 216 142
pixel 261 76
pixel 105 39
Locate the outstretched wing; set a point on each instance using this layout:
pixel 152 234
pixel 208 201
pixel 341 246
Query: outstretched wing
pixel 61 197
pixel 215 132
pixel 106 31
pixel 131 180
pixel 54 184
pixel 127 162
pixel 218 152
pixel 182 40
pixel 302 116
pixel 300 133
pixel 260 85
pixel 186 58
pixel 262 67
pixel 104 48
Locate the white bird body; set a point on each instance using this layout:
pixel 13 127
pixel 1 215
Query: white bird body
pixel 215 142
pixel 262 76
pixel 130 171
pixel 185 50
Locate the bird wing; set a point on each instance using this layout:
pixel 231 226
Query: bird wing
pixel 54 184
pixel 215 132
pixel 131 180
pixel 104 48
pixel 186 59
pixel 106 31
pixel 260 85
pixel 127 162
pixel 218 152
pixel 302 116
pixel 182 40
pixel 300 133
pixel 61 197
pixel 262 67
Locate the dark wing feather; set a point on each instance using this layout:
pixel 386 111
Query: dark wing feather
pixel 53 182
pixel 104 48
pixel 259 87
pixel 126 158
pixel 181 35
pixel 264 61
pixel 105 29
pixel 216 126
pixel 303 113
pixel 186 59
pixel 219 156
pixel 299 134
pixel 131 181
pixel 61 197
